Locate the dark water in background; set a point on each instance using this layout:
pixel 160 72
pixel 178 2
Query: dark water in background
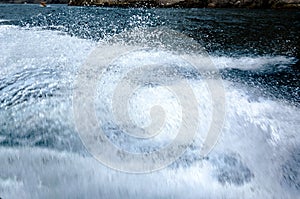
pixel 257 52
pixel 230 32
pixel 223 31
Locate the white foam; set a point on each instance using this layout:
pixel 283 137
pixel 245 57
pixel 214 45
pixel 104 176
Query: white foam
pixel 261 133
pixel 4 20
pixel 23 48
pixel 252 63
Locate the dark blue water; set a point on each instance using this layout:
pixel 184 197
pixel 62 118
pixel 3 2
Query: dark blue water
pixel 225 31
pixel 230 32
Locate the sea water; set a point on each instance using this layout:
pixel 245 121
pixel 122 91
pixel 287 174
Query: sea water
pixel 256 53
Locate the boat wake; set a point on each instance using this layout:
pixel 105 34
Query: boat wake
pixel 42 155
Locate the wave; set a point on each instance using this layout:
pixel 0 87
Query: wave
pixel 43 156
pixel 254 63
pixel 4 20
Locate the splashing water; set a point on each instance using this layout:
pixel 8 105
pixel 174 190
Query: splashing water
pixel 42 156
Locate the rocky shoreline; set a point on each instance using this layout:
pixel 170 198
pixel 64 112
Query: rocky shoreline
pixel 35 1
pixel 190 3
pixel 173 3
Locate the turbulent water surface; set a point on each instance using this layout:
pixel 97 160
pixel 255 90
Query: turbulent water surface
pixel 255 51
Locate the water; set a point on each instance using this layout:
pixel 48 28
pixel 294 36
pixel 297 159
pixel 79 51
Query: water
pixel 255 51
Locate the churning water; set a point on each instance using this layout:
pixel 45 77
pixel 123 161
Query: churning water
pixel 256 53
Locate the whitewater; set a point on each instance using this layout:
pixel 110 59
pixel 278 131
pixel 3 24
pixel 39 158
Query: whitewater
pixel 42 155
